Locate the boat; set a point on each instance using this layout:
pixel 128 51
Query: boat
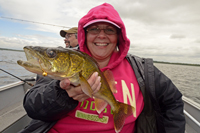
pixel 13 117
pixel 192 115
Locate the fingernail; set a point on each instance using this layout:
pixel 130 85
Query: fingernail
pixel 96 74
pixel 99 78
pixel 100 86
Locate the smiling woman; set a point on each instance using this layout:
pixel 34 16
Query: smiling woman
pixel 101 41
pixel 152 100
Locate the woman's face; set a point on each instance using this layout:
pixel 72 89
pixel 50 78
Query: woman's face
pixel 101 43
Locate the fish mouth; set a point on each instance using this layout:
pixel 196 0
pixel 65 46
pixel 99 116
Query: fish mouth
pixel 35 63
pixel 33 58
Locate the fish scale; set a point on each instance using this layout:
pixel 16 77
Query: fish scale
pixel 60 63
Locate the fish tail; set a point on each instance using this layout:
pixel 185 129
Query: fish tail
pixel 120 114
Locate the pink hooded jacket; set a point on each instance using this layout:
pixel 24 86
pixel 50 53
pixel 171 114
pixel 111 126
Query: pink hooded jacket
pixel 105 11
pixel 84 118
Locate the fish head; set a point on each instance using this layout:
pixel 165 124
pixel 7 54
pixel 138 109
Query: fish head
pixel 46 60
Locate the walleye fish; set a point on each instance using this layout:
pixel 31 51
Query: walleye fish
pixel 60 63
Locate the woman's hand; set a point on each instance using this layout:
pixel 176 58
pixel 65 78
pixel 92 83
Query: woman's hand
pixel 76 92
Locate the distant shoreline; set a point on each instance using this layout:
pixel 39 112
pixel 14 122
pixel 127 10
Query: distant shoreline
pixel 153 61
pixel 11 49
pixel 161 62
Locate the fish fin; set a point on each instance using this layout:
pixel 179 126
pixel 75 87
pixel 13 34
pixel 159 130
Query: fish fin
pixel 120 114
pixel 74 79
pixel 110 79
pixel 85 85
pixel 100 104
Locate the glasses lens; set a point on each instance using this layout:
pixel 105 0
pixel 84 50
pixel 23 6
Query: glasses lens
pixel 110 31
pixel 68 36
pixel 94 31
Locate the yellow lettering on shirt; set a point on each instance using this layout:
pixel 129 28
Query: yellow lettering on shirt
pixel 127 95
pixel 91 117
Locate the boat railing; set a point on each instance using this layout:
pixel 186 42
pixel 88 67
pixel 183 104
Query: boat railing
pixel 192 114
pixel 13 117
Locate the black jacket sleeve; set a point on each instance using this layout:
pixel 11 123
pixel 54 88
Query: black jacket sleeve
pixel 46 101
pixel 170 104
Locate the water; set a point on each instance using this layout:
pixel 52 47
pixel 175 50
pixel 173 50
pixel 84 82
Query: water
pixel 8 62
pixel 186 78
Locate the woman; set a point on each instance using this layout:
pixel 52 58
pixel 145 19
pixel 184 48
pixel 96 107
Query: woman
pixel 61 107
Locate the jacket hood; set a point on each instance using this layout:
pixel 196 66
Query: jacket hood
pixel 105 11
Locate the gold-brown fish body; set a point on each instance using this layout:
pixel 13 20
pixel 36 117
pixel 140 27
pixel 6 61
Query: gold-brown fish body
pixel 59 63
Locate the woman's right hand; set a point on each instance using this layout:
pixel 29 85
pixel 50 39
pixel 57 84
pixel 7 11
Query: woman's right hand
pixel 76 92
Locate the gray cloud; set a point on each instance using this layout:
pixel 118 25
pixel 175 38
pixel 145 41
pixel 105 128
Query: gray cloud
pixel 197 41
pixel 20 41
pixel 159 11
pixel 176 36
pixel 163 30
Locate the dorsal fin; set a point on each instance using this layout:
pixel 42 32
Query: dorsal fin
pixel 110 79
pixel 99 103
pixel 85 85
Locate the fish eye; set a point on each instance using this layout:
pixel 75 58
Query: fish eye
pixel 51 53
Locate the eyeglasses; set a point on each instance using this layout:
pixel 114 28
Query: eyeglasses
pixel 68 36
pixel 96 30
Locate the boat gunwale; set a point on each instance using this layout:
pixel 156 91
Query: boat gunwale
pixel 191 102
pixel 9 86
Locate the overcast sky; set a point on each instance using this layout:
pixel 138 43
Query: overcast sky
pixel 165 30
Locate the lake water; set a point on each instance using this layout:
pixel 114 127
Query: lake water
pixel 8 62
pixel 186 78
